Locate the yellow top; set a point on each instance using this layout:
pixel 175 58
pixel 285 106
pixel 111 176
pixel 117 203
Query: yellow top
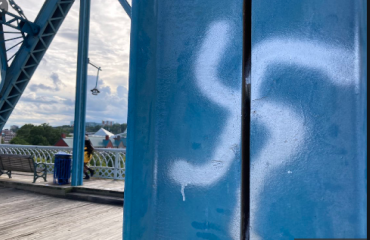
pixel 86 156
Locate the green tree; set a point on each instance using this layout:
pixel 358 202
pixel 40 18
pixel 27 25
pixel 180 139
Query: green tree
pixel 65 129
pixel 18 141
pixel 24 131
pixel 115 128
pixel 93 128
pixel 123 127
pixel 39 140
pixel 43 134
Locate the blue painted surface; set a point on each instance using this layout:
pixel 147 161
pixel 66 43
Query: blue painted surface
pixel 126 6
pixel 308 119
pixel 15 77
pixel 183 146
pixel 81 93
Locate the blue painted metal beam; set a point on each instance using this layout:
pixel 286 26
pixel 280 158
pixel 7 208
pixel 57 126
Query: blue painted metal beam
pixel 15 77
pixel 183 146
pixel 3 58
pixel 126 6
pixel 308 121
pixel 81 93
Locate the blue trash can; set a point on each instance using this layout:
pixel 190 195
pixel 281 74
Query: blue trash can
pixel 62 168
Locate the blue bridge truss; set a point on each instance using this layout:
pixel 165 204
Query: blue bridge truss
pixel 37 38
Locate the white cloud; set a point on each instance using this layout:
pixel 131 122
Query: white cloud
pixel 50 94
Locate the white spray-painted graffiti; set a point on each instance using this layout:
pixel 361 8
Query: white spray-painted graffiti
pixel 286 127
pixel 208 59
pixel 286 137
pixel 208 83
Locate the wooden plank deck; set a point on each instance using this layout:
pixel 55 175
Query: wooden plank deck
pixel 26 215
pixel 92 183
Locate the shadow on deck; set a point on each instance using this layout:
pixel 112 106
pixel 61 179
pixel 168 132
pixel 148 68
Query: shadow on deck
pixel 97 190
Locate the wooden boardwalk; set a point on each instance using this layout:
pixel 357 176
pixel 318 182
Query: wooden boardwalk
pixel 93 183
pixel 26 215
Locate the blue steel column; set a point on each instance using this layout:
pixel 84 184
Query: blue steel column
pixel 183 147
pixel 81 91
pixel 308 119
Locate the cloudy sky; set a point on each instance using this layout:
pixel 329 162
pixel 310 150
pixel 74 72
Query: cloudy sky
pixel 49 97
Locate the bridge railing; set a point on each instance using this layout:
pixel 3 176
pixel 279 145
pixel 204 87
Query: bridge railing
pixel 107 162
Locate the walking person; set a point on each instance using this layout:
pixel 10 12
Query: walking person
pixel 88 154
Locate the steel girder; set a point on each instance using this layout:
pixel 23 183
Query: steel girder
pixel 126 6
pixel 81 92
pixel 184 140
pixel 308 120
pixel 18 74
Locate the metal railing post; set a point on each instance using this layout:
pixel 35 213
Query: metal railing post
pixel 116 165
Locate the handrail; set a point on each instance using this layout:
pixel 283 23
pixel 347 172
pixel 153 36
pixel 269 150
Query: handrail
pixel 66 148
pixel 107 162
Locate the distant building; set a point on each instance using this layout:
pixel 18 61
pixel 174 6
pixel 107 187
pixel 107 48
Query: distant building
pixel 14 127
pixel 107 123
pixel 87 124
pixel 102 132
pixel 100 139
pixel 123 135
pixel 7 135
pixel 92 124
pixel 119 142
pixel 97 141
